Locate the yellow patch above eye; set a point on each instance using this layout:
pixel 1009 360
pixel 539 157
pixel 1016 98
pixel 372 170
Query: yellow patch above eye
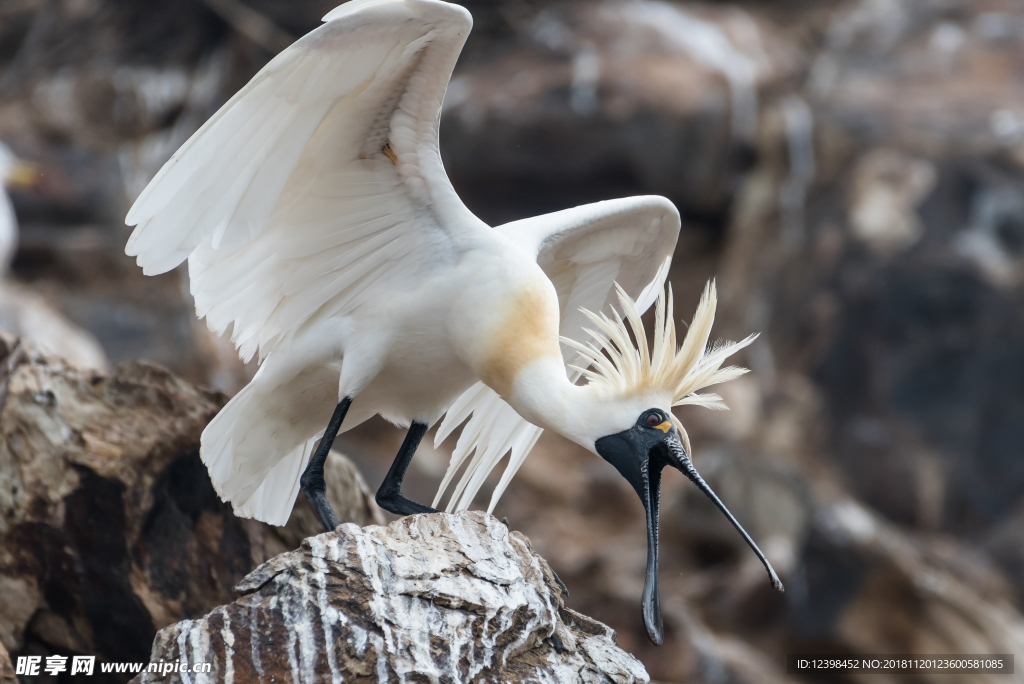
pixel 23 175
pixel 664 427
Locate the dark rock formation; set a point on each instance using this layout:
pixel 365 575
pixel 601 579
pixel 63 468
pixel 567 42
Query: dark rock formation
pixel 109 526
pixel 434 597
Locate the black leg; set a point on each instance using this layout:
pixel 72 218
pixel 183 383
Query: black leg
pixel 389 496
pixel 312 480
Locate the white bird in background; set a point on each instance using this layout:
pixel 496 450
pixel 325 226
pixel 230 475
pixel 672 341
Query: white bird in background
pixel 14 173
pixel 23 312
pixel 317 218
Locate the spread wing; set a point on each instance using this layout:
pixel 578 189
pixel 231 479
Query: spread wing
pixel 319 185
pixel 584 251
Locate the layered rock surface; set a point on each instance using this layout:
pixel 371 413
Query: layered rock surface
pixel 438 597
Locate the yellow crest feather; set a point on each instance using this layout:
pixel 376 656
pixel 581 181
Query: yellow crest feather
pixel 620 366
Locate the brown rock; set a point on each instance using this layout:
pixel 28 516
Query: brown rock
pixel 6 668
pixel 878 247
pixel 109 526
pixel 889 591
pixel 591 101
pixel 927 73
pixel 24 313
pixel 430 597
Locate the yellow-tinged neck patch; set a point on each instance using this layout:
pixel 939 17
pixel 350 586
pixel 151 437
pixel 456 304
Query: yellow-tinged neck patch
pixel 527 331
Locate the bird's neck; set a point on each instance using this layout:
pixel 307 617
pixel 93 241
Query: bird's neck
pixel 543 395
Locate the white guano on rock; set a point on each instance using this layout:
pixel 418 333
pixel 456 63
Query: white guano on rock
pixel 439 598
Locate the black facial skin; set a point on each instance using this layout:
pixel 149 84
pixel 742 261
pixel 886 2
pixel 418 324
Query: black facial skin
pixel 639 454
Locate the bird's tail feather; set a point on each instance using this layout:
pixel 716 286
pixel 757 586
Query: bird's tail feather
pixel 273 500
pixel 258 445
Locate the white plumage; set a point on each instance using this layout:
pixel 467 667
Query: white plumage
pixel 317 219
pixel 8 221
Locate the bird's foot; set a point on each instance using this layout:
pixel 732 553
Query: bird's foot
pixel 323 509
pixel 399 505
pixel 315 489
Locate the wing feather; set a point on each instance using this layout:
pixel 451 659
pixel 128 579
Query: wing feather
pixel 286 203
pixel 317 189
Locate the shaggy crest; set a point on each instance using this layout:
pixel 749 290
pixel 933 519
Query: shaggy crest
pixel 618 366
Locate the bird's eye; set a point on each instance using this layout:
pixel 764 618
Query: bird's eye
pixel 654 420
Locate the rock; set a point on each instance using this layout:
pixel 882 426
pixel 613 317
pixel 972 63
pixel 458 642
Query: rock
pixel 886 190
pixel 24 313
pixel 1006 546
pixel 6 668
pixel 589 101
pixel 886 65
pixel 104 502
pixel 434 597
pixel 878 246
pixel 890 591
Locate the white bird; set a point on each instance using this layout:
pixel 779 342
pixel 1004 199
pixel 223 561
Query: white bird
pixel 317 219
pixel 16 174
pixel 23 312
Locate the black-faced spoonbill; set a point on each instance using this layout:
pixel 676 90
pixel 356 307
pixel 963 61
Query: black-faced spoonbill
pixel 317 219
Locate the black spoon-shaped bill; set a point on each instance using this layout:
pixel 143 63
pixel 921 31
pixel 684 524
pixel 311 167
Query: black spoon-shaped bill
pixel 670 452
pixel 640 454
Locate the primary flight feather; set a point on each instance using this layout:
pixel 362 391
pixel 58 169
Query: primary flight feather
pixel 319 224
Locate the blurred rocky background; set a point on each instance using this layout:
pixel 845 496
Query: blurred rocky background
pixel 852 173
